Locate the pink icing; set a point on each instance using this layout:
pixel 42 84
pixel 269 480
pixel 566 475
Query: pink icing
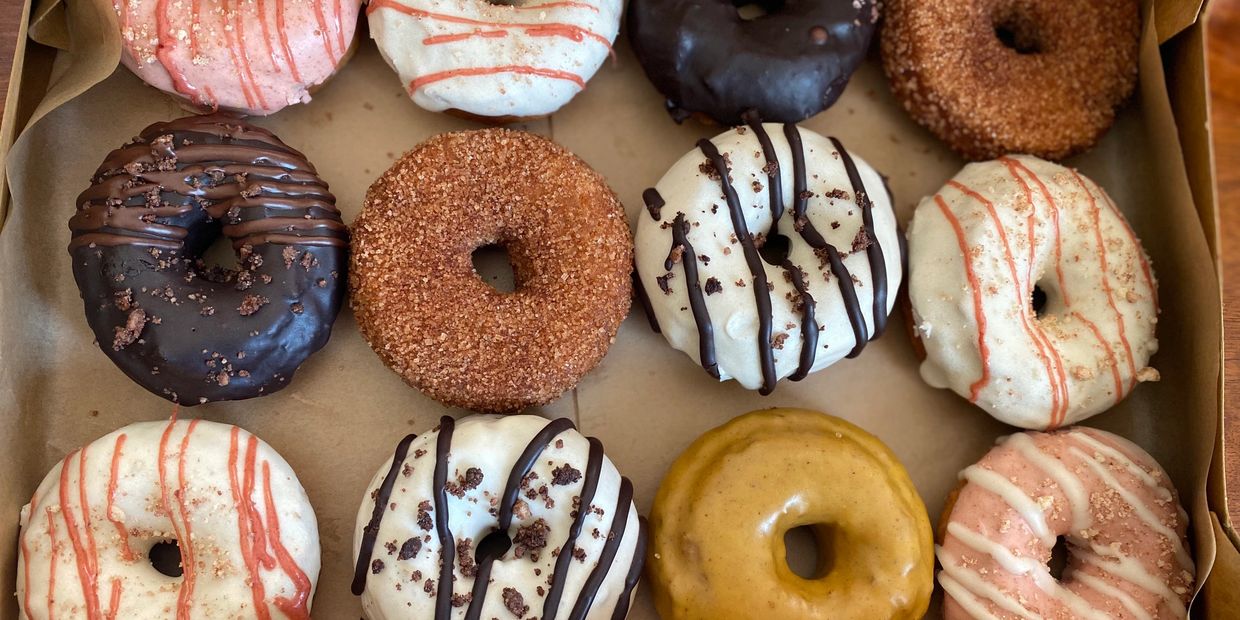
pixel 253 57
pixel 1110 500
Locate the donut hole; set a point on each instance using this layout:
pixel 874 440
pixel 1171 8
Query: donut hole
pixel 1018 35
pixel 492 546
pixel 165 557
pixel 1038 300
pixel 808 550
pixel 749 10
pixel 774 249
pixel 1059 558
pixel 493 265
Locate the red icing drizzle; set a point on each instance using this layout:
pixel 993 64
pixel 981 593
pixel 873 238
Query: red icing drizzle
pixel 1096 212
pixel 452 38
pixel 1013 165
pixel 187 564
pixel 1145 263
pixel 1054 370
pixel 164 49
pixel 475 71
pixel 339 26
pixel 552 5
pixel 271 50
pixel 284 44
pixel 184 599
pixel 34 504
pixel 195 24
pixel 115 602
pixel 246 521
pixel 327 41
pixel 295 607
pixel 1113 363
pixel 126 551
pixel 552 29
pixel 240 60
pixel 51 573
pixel 976 287
pixel 87 572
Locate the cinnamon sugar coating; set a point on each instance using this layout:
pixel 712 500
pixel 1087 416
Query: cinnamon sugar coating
pixel 1051 90
pixel 430 317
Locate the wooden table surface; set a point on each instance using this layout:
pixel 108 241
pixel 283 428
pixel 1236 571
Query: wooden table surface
pixel 1224 67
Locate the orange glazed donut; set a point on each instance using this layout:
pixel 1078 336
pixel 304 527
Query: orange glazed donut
pixel 1109 500
pixel 992 77
pixel 427 313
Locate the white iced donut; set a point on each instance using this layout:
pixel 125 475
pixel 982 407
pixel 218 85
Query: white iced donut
pixel 248 538
pixel 498 517
pixel 1000 238
pixel 494 59
pixel 711 267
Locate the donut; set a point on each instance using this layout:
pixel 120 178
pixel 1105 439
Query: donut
pixel 498 61
pixel 430 317
pixel 789 64
pixel 249 57
pixel 769 252
pixel 92 534
pixel 992 77
pixel 1108 500
pixel 185 331
pixel 720 516
pixel 498 517
pixel 1031 295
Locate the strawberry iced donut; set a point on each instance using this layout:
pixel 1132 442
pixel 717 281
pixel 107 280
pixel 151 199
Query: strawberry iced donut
pixel 1030 293
pixel 1105 497
pixel 95 534
pixel 253 56
pixel 501 61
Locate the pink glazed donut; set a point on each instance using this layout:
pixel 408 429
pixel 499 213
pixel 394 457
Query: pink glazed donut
pixel 249 56
pixel 1109 500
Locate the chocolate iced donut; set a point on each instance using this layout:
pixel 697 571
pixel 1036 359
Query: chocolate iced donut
pixel 993 77
pixel 184 331
pixel 788 65
pixel 427 313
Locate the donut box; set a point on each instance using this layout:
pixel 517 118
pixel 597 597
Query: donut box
pixel 344 411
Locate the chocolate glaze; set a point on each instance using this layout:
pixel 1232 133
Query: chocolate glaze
pixel 828 253
pixel 489 552
pixel 788 65
pixel 155 205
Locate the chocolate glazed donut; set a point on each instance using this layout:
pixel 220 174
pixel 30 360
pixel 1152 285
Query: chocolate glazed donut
pixel 788 65
pixel 185 332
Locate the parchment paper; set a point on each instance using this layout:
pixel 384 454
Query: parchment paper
pixel 344 412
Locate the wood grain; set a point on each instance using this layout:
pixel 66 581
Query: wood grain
pixel 1224 70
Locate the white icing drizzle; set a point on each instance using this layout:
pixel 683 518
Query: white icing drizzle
pixel 1106 589
pixel 1025 566
pixel 1138 507
pixel 1125 462
pixel 1071 484
pixel 1131 570
pixel 1033 514
pixel 973 582
pixel 975 606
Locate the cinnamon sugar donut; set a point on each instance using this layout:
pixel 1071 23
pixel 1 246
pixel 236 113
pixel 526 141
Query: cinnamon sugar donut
pixel 992 77
pixel 1109 500
pixel 246 533
pixel 251 57
pixel 427 313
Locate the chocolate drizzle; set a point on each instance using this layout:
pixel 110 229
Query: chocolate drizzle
pixel 371 532
pixel 874 251
pixel 155 205
pixel 697 302
pixel 761 291
pixel 639 291
pixel 809 324
pixel 654 203
pixel 619 521
pixel 496 544
pixel 635 571
pixel 493 551
pixel 594 468
pixel 447 547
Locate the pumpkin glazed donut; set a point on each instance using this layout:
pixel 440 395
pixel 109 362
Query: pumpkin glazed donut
pixel 1111 503
pixel 992 77
pixel 719 519
pixel 430 317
